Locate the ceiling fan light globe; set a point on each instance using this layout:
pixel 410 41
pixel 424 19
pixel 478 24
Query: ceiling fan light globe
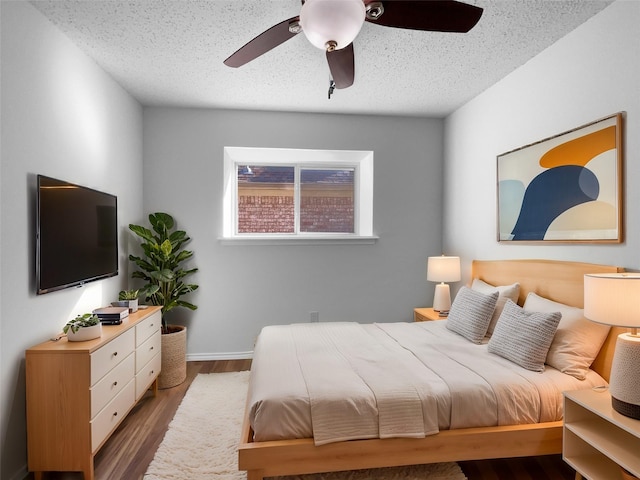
pixel 325 21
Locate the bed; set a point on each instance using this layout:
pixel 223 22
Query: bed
pixel 555 281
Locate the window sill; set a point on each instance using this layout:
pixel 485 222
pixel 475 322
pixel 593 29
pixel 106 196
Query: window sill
pixel 300 240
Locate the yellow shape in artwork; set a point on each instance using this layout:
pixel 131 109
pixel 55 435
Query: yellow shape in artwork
pixel 580 151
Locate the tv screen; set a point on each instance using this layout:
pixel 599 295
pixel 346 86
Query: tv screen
pixel 76 235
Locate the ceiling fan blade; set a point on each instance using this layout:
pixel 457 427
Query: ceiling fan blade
pixel 430 15
pixel 264 42
pixel 342 66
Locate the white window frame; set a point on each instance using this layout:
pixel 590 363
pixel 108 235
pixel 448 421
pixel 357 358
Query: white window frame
pixel 360 160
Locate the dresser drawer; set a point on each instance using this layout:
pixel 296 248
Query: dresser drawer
pixel 147 375
pixel 147 351
pixel 111 415
pixel 111 384
pixel 148 327
pixel 108 356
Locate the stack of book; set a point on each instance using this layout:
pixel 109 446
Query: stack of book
pixel 111 315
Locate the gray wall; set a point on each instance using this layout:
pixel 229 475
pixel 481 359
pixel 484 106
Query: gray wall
pixel 62 116
pixel 589 74
pixel 245 287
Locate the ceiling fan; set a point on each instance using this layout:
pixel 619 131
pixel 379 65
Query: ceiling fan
pixel 332 25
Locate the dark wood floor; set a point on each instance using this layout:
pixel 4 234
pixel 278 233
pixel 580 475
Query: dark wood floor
pixel 128 452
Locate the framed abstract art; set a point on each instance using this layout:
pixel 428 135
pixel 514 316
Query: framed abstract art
pixel 567 188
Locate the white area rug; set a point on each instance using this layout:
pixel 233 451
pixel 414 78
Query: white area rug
pixel 202 439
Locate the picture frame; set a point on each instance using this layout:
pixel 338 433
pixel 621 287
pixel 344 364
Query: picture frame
pixel 566 188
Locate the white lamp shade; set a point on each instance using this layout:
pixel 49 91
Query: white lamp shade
pixel 613 298
pixel 443 269
pixel 339 21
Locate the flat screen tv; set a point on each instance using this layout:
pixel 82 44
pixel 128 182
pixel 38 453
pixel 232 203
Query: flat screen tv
pixel 76 235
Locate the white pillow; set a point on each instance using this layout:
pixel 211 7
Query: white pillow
pixel 505 292
pixel 523 337
pixel 577 340
pixel 470 314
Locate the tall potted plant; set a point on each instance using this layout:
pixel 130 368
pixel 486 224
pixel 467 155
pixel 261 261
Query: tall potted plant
pixel 162 268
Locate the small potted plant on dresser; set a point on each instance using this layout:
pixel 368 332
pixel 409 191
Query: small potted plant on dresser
pixel 162 268
pixel 129 299
pixel 83 327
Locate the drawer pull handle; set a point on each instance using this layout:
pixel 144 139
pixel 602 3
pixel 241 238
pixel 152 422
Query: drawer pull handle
pixel 151 348
pixel 115 354
pixel 115 384
pixel 152 372
pixel 152 324
pixel 115 414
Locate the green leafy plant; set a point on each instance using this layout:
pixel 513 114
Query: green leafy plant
pixel 128 295
pixel 86 320
pixel 162 266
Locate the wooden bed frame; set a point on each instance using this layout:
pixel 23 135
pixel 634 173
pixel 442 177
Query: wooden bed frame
pixel 556 280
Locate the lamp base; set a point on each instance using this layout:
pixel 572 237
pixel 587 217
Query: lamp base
pixel 625 408
pixel 442 298
pixel 624 389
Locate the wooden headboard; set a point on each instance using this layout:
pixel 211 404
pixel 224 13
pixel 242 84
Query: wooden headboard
pixel 556 280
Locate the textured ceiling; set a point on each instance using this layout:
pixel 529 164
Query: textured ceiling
pixel 170 53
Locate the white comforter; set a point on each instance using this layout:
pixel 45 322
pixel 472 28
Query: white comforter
pixel 347 381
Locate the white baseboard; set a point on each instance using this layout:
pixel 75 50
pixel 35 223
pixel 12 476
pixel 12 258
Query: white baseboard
pixel 198 357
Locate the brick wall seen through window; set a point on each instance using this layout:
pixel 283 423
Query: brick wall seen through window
pixel 266 200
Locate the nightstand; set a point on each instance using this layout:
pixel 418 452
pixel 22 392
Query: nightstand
pixel 597 440
pixel 426 315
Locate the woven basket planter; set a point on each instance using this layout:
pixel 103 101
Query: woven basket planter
pixel 174 357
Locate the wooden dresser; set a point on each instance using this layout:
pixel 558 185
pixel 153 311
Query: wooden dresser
pixel 79 392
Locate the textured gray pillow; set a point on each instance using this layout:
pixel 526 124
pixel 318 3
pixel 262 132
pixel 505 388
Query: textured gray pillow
pixel 505 292
pixel 524 337
pixel 470 314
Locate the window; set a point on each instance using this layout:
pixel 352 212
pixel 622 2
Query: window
pixel 290 194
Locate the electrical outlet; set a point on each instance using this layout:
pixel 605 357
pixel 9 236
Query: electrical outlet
pixel 314 317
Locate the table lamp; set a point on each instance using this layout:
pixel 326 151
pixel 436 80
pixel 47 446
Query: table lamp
pixel 443 269
pixel 614 299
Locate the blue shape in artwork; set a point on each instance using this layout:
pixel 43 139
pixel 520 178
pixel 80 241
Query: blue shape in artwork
pixel 550 194
pixel 510 196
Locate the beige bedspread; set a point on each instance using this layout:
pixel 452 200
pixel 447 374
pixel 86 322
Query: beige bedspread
pixel 346 381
